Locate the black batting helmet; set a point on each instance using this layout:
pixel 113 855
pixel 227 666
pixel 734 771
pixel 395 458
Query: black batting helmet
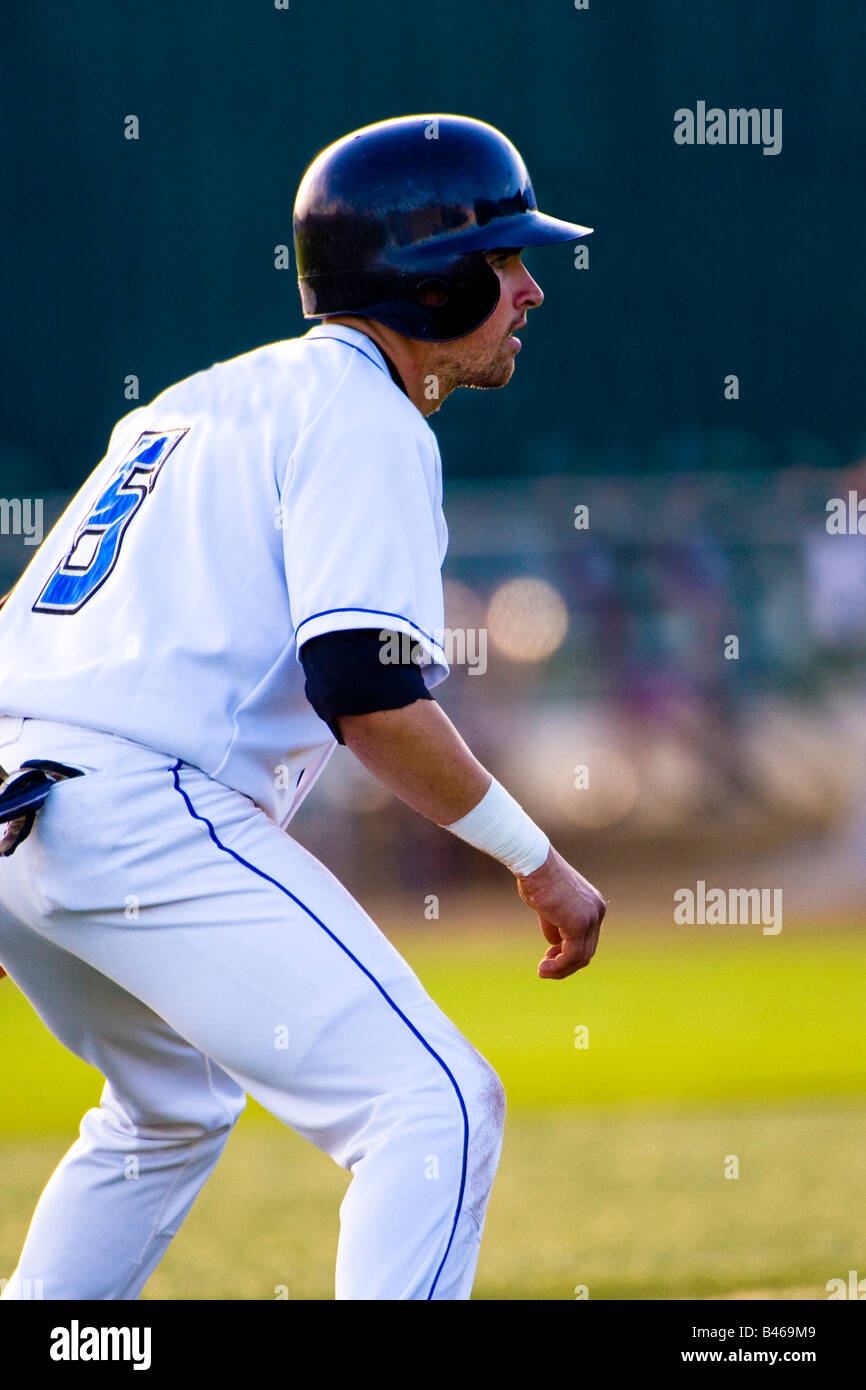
pixel 392 223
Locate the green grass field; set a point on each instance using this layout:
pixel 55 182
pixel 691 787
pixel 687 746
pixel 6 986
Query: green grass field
pixel 701 1045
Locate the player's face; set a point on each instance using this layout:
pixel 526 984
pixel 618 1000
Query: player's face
pixel 485 358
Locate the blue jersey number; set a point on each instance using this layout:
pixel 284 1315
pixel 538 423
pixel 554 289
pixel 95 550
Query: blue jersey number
pixel 97 542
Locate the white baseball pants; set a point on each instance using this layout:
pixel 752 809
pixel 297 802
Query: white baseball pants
pixel 168 932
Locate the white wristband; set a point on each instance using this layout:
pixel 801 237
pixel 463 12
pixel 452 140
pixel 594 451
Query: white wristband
pixel 500 826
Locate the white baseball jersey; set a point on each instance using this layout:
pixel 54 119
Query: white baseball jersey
pixel 290 492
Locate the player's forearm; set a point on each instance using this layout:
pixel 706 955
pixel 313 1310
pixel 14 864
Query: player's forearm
pixel 417 753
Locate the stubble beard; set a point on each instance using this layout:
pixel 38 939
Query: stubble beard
pixel 481 371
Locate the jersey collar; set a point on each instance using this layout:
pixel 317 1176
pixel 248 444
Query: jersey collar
pixel 353 337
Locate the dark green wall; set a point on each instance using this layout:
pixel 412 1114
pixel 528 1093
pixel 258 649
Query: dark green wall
pixel 155 257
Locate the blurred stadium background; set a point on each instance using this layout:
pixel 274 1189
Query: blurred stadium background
pixel 614 522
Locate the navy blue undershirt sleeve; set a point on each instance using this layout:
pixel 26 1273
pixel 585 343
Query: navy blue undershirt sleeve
pixel 345 674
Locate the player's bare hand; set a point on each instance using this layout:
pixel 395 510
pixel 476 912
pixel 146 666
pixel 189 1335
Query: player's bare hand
pixel 570 913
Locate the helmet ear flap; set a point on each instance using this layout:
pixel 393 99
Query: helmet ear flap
pixel 446 301
pixel 474 294
pixel 433 300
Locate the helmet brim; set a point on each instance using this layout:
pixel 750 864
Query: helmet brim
pixel 531 228
pixel 534 229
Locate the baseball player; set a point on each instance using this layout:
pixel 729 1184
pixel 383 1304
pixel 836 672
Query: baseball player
pixel 202 627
